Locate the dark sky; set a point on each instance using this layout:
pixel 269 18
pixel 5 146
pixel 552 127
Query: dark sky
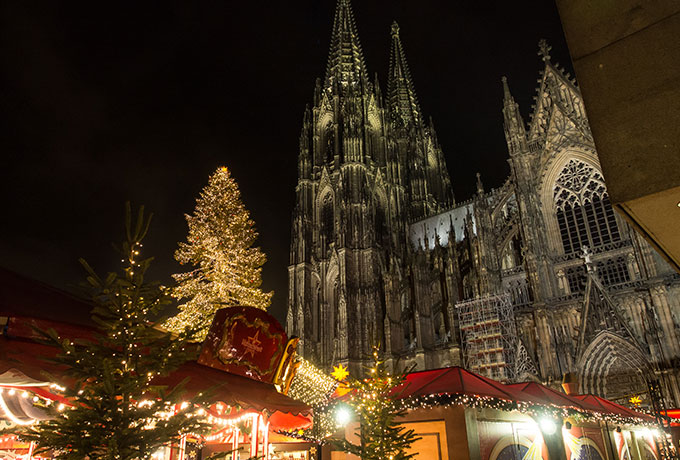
pixel 105 102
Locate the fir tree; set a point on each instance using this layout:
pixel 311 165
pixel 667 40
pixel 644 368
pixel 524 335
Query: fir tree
pixel 116 411
pixel 374 400
pixel 219 245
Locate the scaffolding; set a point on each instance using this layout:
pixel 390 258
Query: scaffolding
pixel 489 337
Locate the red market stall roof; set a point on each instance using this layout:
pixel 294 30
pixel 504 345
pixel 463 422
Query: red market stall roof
pixel 232 389
pixel 536 393
pixel 674 414
pixel 599 404
pixel 451 380
pixel 30 359
pixel 22 296
pixel 458 381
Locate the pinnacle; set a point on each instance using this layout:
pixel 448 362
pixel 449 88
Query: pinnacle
pixel 400 89
pixel 395 29
pixel 506 88
pixel 345 58
pixel 544 49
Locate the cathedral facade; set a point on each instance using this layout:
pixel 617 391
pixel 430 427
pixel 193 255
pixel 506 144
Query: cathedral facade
pixel 381 253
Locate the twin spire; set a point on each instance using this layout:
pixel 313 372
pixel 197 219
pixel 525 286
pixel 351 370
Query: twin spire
pixel 401 93
pixel 345 59
pixel 346 67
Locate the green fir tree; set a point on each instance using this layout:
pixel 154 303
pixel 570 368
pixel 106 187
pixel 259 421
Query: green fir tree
pixel 374 402
pixel 116 410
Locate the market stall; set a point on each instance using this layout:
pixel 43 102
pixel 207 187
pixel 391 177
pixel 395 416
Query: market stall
pixel 245 366
pixel 462 415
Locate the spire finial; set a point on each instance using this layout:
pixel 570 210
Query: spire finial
pixel 345 58
pixel 544 49
pixel 401 93
pixel 506 89
pixel 395 29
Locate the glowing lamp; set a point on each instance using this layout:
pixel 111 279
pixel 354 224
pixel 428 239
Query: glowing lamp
pixel 548 426
pixel 342 416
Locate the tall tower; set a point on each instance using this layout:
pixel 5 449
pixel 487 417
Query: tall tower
pixel 364 170
pixel 346 209
pixel 414 141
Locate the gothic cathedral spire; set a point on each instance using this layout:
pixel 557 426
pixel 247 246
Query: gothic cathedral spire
pixel 361 177
pixel 515 133
pixel 401 95
pixel 346 63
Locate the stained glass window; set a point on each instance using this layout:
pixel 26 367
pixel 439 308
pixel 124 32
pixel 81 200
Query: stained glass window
pixel 584 213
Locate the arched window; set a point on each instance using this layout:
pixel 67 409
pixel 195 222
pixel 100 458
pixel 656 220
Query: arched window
pixel 382 236
pixel 576 277
pixel 327 219
pixel 584 213
pixel 512 254
pixel 613 271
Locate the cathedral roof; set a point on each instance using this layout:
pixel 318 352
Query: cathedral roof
pixel 424 232
pixel 557 99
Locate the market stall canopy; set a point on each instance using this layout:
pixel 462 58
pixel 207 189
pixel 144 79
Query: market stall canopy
pixel 540 394
pixel 31 360
pixel 451 380
pixel 598 404
pixel 288 422
pixel 232 389
pixel 674 414
pixel 21 296
pixel 456 381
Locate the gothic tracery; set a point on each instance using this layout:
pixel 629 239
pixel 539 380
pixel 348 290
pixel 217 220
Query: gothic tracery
pixel 373 181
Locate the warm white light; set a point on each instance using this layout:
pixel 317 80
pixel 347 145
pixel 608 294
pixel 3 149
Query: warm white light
pixel 548 426
pixel 11 416
pixel 342 416
pixel 647 433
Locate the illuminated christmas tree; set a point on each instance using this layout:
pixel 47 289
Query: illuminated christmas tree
pixel 373 400
pixel 227 269
pixel 114 409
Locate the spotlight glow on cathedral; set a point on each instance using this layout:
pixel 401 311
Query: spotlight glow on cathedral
pixel 382 253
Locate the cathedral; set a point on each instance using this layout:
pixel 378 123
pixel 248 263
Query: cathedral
pixel 536 280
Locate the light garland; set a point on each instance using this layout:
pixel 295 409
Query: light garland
pixel 8 413
pixel 311 385
pixel 228 269
pixel 10 438
pixel 534 410
pixel 221 423
pixel 326 428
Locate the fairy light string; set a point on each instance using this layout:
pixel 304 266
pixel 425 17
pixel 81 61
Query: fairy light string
pixel 227 269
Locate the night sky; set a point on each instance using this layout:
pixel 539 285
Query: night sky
pixel 105 102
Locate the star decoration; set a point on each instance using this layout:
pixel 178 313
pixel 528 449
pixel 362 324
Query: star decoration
pixel 339 373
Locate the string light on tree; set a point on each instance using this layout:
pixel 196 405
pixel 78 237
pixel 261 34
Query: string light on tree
pixel 373 401
pixel 111 408
pixel 227 269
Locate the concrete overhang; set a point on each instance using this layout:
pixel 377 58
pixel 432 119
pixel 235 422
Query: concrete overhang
pixel 626 55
